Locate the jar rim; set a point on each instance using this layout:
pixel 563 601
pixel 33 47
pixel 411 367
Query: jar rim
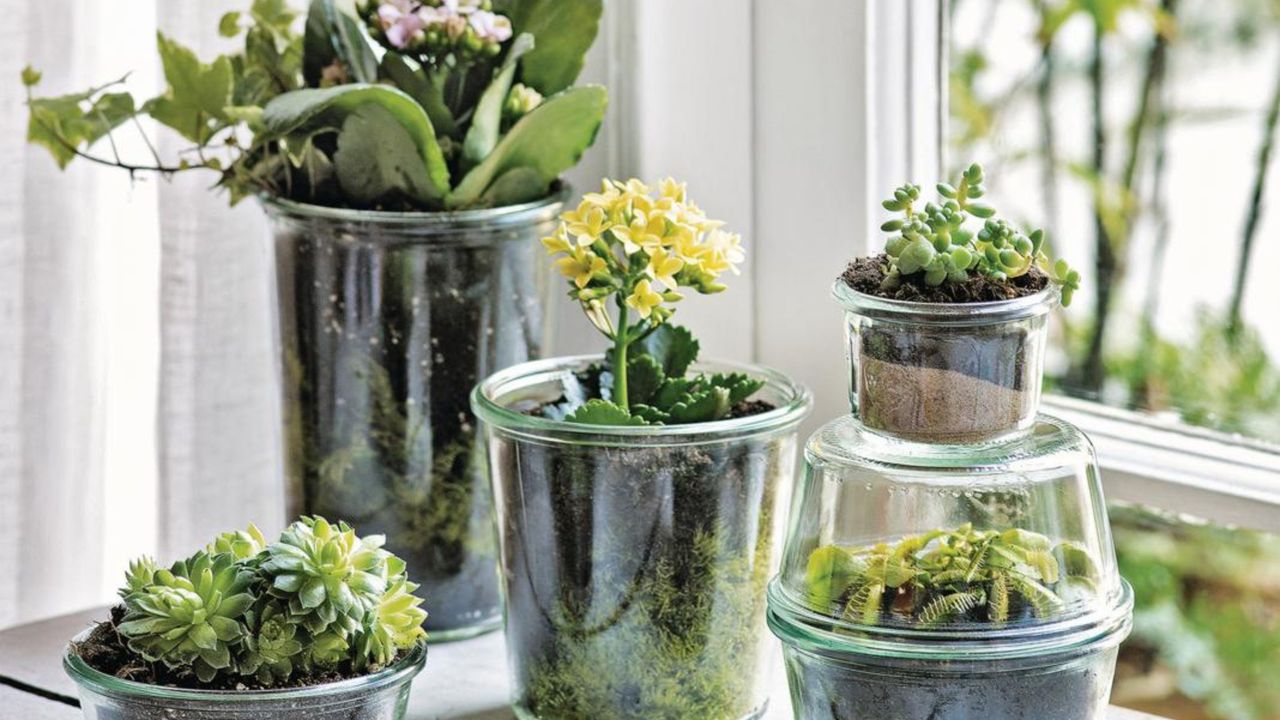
pixel 796 624
pixel 796 402
pixel 925 313
pixel 545 208
pixel 408 665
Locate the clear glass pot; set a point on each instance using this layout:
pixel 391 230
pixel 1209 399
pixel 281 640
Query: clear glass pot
pixel 383 695
pixel 386 321
pixel 945 373
pixel 949 582
pixel 635 559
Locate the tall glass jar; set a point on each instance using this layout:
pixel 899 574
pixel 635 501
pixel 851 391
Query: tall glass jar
pixel 635 559
pixel 386 320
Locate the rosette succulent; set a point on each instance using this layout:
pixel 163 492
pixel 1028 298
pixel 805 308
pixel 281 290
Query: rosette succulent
pixel 328 577
pixel 319 596
pixel 934 242
pixel 190 616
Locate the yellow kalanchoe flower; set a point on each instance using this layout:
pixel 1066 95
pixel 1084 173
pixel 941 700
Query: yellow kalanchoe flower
pixel 642 234
pixel 580 266
pixel 663 267
pixel 588 223
pixel 644 299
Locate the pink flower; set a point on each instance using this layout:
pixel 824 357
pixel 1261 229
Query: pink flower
pixel 490 26
pixel 400 23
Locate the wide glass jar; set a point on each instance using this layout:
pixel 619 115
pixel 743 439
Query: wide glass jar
pixel 383 695
pixel 635 559
pixel 386 320
pixel 945 373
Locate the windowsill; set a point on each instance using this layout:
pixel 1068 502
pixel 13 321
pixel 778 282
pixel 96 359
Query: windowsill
pixel 1224 479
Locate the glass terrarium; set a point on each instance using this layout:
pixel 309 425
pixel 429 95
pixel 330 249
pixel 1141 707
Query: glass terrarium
pixel 950 579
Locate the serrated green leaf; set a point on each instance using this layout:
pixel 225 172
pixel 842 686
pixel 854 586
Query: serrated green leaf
pixel 644 378
pixel 309 110
pixel 428 94
pixel 563 30
pixel 603 412
pixel 197 92
pixel 704 405
pixel 672 392
pixel 651 414
pixel 549 140
pixel 673 346
pixel 486 119
pixel 740 385
pixel 376 160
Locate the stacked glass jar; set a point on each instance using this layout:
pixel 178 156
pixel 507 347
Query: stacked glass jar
pixel 948 554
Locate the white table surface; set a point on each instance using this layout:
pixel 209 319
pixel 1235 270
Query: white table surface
pixel 464 680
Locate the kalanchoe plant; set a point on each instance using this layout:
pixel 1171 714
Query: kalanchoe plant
pixel 943 576
pixel 318 598
pixel 414 104
pixel 632 247
pixel 939 243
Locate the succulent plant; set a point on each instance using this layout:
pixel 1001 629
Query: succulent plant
pixel 328 577
pixel 191 615
pixel 318 597
pixel 935 243
pixel 950 575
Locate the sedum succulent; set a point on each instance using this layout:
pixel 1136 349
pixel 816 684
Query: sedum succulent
pixel 328 577
pixel 935 243
pixel 190 616
pixel 318 597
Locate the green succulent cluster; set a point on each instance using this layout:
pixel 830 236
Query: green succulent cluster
pixel 955 575
pixel 660 389
pixel 318 597
pixel 935 243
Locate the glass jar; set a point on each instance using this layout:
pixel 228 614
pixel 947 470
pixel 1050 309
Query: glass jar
pixel 383 695
pixel 945 373
pixel 386 321
pixel 635 559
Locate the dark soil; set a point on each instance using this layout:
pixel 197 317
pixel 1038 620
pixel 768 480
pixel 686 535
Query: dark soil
pixel 747 408
pixel 105 651
pixel 866 273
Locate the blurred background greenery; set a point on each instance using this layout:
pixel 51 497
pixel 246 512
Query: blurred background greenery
pixel 1141 135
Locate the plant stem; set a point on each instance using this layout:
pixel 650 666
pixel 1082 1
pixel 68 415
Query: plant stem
pixel 1048 131
pixel 1254 218
pixel 621 341
pixel 1104 252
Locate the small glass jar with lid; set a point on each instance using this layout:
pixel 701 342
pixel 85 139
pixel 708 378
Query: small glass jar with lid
pixel 948 554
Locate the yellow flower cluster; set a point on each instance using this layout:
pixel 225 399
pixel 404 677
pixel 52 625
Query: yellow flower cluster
pixel 642 244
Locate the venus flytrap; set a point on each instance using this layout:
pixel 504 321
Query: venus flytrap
pixel 626 252
pixel 934 243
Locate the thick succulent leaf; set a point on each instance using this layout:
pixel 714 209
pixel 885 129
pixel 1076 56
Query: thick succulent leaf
pixel 428 94
pixel 376 159
pixel 317 46
pixel 564 31
pixel 203 636
pixel 651 414
pixel 331 34
pixel 549 140
pixel 673 390
pixel 313 109
pixel 353 46
pixel 673 346
pixel 704 405
pixel 740 385
pixel 312 594
pixel 644 377
pixel 197 92
pixel 486 119
pixel 515 186
pixel 603 412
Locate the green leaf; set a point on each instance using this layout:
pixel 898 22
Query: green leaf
pixel 830 571
pixel 428 94
pixel 549 140
pixel 673 346
pixel 313 593
pixel 603 412
pixel 740 385
pixel 517 185
pixel 197 93
pixel 651 414
pixel 353 46
pixel 203 636
pixel 317 46
pixel 31 76
pixel 644 377
pixel 275 15
pixel 563 29
pixel 711 403
pixel 310 110
pixel 672 391
pixel 229 25
pixel 62 124
pixel 486 120
pixel 377 161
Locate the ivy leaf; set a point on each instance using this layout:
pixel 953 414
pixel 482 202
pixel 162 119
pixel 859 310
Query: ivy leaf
pixel 673 346
pixel 644 377
pixel 229 24
pixel 704 405
pixel 428 94
pixel 197 93
pixel 62 124
pixel 31 76
pixel 564 31
pixel 549 140
pixel 740 385
pixel 603 412
pixel 309 110
pixel 274 15
pixel 487 116
pixel 376 159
